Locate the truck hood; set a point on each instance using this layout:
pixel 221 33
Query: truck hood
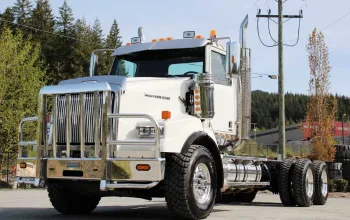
pixel 142 83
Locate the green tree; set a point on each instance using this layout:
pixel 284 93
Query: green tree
pixel 22 11
pixel 113 41
pixel 64 44
pixel 21 77
pixel 43 19
pixel 82 50
pixel 8 17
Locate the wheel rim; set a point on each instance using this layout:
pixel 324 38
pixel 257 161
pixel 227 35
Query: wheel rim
pixel 309 183
pixel 324 183
pixel 201 184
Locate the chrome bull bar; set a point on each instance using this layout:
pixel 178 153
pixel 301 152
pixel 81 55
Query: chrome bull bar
pixel 47 166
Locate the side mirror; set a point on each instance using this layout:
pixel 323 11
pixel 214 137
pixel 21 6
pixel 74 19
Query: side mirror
pixel 233 58
pixel 93 64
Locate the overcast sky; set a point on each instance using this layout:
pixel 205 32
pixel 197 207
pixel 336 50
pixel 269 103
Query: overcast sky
pixel 161 18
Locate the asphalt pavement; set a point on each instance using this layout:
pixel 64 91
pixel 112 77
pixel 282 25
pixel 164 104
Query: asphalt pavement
pixel 35 204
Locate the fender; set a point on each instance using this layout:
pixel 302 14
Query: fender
pixel 202 138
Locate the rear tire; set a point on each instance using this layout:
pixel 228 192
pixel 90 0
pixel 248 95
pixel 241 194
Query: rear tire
pixel 68 202
pixel 190 183
pixel 285 183
pixel 303 183
pixel 321 182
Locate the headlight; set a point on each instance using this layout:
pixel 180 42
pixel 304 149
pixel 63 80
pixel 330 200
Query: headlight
pixel 148 131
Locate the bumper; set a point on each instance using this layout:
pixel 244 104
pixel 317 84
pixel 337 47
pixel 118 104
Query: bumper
pixel 112 172
pixel 121 173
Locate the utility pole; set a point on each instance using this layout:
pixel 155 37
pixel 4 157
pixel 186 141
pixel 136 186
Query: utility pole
pixel 281 118
pixel 279 43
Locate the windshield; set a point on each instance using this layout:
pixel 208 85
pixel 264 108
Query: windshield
pixel 160 63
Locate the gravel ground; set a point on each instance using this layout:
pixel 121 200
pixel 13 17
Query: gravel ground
pixel 34 204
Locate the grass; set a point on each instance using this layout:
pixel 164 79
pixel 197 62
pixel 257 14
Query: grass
pixel 253 149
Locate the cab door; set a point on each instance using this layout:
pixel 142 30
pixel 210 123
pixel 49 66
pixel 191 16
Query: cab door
pixel 225 100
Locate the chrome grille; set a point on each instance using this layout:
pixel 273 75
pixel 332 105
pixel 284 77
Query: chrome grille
pixel 75 118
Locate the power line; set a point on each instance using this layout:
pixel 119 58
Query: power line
pixel 336 21
pixel 37 29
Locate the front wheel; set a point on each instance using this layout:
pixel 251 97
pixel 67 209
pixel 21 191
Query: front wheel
pixel 190 183
pixel 69 202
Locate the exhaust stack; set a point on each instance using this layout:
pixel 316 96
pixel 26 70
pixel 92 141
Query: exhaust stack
pixel 246 81
pixel 141 35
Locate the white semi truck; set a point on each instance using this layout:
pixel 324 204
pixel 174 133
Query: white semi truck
pixel 160 124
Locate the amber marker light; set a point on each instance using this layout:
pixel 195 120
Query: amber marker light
pixel 23 165
pixel 166 115
pixel 143 167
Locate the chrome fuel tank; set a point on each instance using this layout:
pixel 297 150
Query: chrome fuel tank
pixel 241 171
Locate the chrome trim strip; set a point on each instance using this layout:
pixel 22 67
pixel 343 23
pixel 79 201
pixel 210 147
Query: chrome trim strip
pixel 26 158
pixel 137 159
pixel 39 137
pixel 82 124
pixel 73 178
pixel 132 142
pixel 130 185
pixel 244 158
pixel 27 143
pixel 75 88
pixel 96 123
pixel 68 124
pixel 105 110
pixel 77 159
pixel 54 125
pixel 248 183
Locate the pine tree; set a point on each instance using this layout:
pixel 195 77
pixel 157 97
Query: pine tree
pixel 112 42
pixel 43 19
pixel 63 65
pixel 22 11
pixel 113 38
pixel 8 17
pixel 82 50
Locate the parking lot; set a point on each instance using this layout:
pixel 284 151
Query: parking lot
pixel 34 204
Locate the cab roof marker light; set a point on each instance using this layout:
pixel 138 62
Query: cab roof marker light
pixel 189 34
pixel 213 34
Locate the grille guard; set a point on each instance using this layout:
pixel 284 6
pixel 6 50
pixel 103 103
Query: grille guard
pixel 107 140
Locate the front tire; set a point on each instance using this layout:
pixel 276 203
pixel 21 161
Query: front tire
pixel 190 183
pixel 69 202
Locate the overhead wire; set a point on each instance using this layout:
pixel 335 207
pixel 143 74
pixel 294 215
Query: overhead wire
pixel 37 29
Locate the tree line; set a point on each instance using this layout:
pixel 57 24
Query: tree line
pixel 37 49
pixel 265 108
pixel 65 42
